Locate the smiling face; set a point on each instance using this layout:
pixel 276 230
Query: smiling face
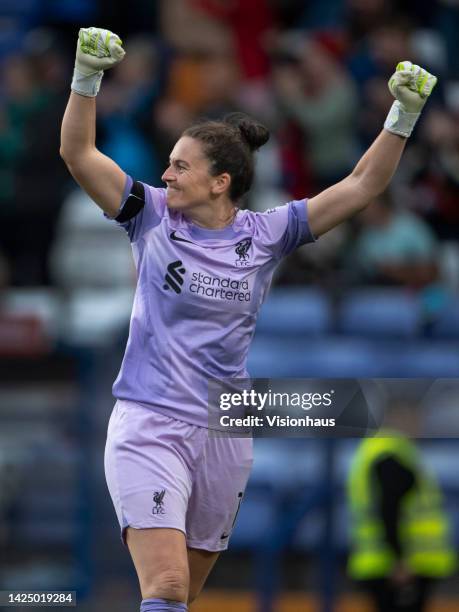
pixel 189 183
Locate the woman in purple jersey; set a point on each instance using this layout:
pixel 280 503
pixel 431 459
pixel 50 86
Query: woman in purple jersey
pixel 204 268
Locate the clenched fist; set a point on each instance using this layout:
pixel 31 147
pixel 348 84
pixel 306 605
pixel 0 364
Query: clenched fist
pixel 97 50
pixel 410 85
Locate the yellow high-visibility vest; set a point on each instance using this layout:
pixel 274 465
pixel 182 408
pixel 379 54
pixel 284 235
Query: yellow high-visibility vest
pixel 423 527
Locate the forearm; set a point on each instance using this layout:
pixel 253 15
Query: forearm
pixel 369 178
pixel 375 169
pixel 98 175
pixel 97 50
pixel 78 132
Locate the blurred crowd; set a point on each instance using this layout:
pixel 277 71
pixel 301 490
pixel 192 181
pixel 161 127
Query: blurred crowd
pixel 315 73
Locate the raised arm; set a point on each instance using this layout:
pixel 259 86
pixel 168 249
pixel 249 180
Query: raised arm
pixel 101 178
pixel 411 86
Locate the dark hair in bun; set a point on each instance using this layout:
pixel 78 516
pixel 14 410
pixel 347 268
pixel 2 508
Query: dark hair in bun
pixel 229 145
pixel 254 133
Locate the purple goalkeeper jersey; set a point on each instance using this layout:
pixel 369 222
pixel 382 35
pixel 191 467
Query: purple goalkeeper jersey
pixel 198 295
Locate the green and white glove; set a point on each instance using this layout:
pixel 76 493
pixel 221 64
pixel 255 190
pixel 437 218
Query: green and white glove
pixel 410 85
pixel 97 50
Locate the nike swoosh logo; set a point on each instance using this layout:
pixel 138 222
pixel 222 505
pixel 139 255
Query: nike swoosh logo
pixel 224 536
pixel 173 236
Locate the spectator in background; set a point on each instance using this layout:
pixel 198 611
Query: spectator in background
pixel 388 41
pixel 363 16
pixel 4 272
pixel 382 42
pixel 130 17
pixel 394 247
pixel 400 539
pixel 369 60
pixel 192 32
pixel 17 104
pixel 168 119
pixel 249 22
pixel 34 177
pixel 319 96
pixel 397 247
pixel 247 27
pixel 218 82
pixel 447 22
pixel 11 136
pixel 432 172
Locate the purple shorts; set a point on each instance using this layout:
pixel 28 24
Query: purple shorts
pixel 167 473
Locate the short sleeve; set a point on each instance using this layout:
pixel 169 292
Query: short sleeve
pixel 149 216
pixel 284 228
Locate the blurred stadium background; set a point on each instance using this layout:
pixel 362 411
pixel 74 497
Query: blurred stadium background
pixel 377 297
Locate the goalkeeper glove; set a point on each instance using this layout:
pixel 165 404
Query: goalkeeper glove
pixel 411 85
pixel 97 50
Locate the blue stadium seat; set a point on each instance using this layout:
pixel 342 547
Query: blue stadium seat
pixel 310 530
pixel 10 40
pixel 285 463
pixel 296 311
pixel 275 357
pixel 283 470
pixel 346 358
pixel 380 312
pixel 428 359
pixel 72 10
pixel 255 520
pixel 441 457
pixel 328 357
pixel 447 324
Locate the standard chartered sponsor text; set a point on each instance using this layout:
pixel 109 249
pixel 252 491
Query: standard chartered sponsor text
pixel 220 288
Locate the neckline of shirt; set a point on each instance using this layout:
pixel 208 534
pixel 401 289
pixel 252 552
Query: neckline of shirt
pixel 204 233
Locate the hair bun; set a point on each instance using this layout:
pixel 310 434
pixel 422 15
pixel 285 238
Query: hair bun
pixel 253 133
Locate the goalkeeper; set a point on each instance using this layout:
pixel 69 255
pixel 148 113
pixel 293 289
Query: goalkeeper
pixel 177 490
